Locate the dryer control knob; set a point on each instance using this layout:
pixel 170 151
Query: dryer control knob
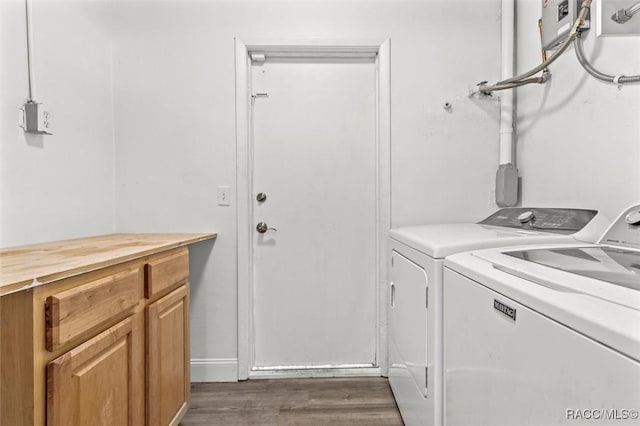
pixel 526 216
pixel 633 218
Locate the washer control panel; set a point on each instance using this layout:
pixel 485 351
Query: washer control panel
pixel 633 217
pixel 527 216
pixel 625 232
pixel 561 221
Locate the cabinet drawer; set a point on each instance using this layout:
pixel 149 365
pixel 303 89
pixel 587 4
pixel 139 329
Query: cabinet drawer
pixel 72 312
pixel 166 271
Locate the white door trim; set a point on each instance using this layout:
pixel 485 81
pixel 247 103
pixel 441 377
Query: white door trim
pixel 308 48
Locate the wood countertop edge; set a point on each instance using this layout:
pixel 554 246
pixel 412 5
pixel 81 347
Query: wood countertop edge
pixel 74 271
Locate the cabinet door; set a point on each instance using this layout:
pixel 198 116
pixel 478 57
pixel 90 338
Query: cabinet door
pixel 168 363
pixel 93 384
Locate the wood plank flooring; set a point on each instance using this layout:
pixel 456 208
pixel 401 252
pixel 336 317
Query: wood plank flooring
pixel 335 401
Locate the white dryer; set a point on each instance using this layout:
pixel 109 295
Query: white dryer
pixel 545 335
pixel 415 314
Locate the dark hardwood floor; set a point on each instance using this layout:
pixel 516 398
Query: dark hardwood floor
pixel 332 401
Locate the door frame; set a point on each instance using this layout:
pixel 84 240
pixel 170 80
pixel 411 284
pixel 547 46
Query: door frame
pixel 244 168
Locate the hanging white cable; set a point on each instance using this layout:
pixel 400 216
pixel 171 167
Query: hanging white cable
pixel 29 22
pixel 35 118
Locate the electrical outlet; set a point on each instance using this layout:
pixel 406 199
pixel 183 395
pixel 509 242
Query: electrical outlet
pixel 36 119
pixel 224 196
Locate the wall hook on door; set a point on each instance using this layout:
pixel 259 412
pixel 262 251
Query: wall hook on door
pixel 258 95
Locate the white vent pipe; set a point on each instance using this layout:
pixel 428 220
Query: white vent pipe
pixel 507 174
pixel 507 71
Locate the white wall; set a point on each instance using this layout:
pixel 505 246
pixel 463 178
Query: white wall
pixel 175 123
pixel 578 138
pixel 578 141
pixel 60 186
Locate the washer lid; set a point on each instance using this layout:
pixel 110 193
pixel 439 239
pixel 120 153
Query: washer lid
pixel 506 227
pixel 439 241
pixel 599 310
pixel 606 273
pixel 613 265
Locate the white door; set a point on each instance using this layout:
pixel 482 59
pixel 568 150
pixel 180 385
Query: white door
pixel 314 157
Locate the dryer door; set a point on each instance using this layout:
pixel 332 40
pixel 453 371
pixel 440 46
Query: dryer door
pixel 408 322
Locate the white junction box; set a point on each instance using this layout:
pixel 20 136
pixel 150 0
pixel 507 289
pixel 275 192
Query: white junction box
pixel 36 119
pixel 607 26
pixel 558 17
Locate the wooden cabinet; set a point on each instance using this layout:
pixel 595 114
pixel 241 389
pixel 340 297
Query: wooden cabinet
pixel 168 383
pixel 105 345
pixel 94 383
pixel 67 346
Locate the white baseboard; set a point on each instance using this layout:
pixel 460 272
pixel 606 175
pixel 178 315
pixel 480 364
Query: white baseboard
pixel 214 370
pixel 315 372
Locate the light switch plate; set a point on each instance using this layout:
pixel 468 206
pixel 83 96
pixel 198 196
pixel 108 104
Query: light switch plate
pixel 224 195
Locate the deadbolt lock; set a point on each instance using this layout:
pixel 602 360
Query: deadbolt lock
pixel 261 197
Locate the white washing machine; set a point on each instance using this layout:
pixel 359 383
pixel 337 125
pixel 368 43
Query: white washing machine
pixel 545 335
pixel 415 277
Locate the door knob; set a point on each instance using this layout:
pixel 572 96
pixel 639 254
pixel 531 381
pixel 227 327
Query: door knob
pixel 262 227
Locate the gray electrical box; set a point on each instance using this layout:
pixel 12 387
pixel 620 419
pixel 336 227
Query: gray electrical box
pixel 558 17
pixel 36 119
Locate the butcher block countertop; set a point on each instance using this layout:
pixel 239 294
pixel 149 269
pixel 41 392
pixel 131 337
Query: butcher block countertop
pixel 29 266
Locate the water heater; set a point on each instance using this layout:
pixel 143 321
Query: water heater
pixel 558 17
